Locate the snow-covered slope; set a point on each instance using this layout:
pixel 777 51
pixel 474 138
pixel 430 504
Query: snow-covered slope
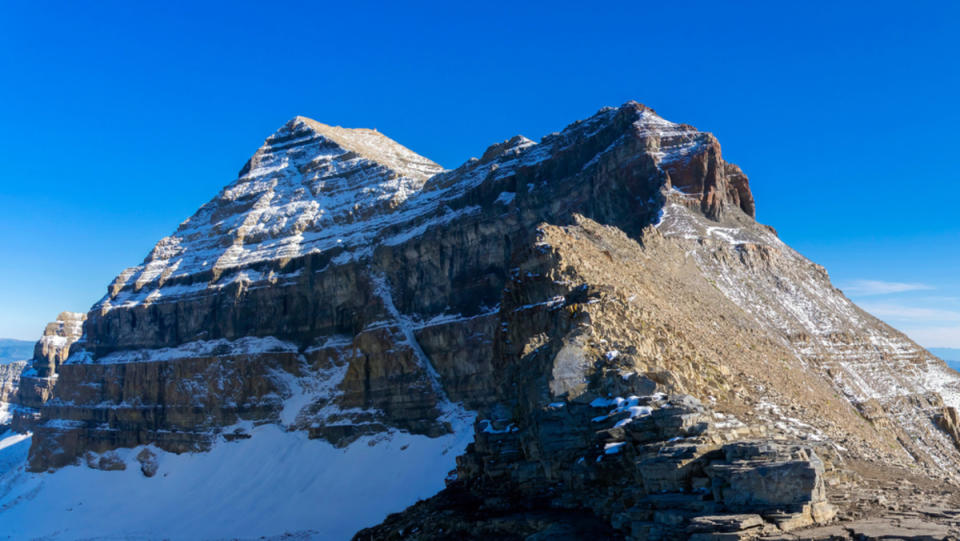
pixel 273 484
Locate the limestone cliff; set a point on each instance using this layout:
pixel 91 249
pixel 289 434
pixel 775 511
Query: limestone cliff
pixel 644 358
pixel 30 384
pixel 54 345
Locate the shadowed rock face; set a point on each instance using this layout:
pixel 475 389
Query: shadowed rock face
pixel 639 351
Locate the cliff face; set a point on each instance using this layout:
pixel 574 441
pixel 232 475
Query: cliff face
pixel 54 345
pixel 605 339
pixel 26 385
pixel 643 357
pixel 333 251
pixel 9 386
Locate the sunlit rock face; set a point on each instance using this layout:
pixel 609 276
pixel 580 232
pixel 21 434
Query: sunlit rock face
pixel 602 301
pixel 54 346
pixel 25 386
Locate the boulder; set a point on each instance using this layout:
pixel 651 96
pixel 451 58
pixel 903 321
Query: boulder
pixel 768 482
pixel 148 462
pixel 906 530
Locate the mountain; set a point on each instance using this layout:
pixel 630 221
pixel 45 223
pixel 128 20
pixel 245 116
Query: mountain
pixel 589 336
pixel 15 350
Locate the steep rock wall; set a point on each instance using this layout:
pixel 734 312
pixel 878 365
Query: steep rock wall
pixel 411 283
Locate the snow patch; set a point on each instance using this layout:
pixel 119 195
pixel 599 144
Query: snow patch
pixel 613 448
pixel 274 483
pixel 247 345
pixel 505 198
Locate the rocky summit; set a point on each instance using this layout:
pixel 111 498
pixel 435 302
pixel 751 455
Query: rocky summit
pixel 589 337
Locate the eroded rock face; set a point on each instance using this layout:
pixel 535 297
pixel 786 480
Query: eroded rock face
pixel 644 359
pixel 176 406
pixel 54 346
pixel 702 173
pixel 9 386
pixel 25 386
pixel 10 380
pixel 949 421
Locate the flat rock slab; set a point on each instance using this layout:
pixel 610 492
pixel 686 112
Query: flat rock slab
pixel 872 529
pixel 911 529
pixel 725 523
pixel 723 536
pixel 823 533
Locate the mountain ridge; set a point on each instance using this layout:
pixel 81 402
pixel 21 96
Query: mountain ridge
pixel 599 311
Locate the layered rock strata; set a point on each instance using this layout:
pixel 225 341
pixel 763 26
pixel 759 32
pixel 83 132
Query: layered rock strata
pixel 38 377
pixel 54 345
pixel 645 359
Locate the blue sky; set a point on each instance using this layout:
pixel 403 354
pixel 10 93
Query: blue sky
pixel 119 119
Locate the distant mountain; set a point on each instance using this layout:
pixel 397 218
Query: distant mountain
pixel 15 350
pixel 951 355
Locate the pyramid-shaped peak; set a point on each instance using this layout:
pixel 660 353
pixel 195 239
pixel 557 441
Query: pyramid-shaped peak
pixel 634 104
pixel 649 120
pixel 366 143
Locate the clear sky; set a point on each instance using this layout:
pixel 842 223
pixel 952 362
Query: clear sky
pixel 119 119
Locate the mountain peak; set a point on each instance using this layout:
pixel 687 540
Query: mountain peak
pixel 366 143
pixel 309 187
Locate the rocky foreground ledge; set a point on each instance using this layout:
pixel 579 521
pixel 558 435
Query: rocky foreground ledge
pixel 676 473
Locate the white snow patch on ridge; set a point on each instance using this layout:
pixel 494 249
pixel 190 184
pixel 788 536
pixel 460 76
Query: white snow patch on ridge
pixel 942 379
pixel 274 483
pixel 248 345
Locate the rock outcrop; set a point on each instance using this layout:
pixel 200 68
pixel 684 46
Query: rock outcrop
pixel 10 380
pixel 31 384
pixel 9 387
pixel 644 359
pixel 54 345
